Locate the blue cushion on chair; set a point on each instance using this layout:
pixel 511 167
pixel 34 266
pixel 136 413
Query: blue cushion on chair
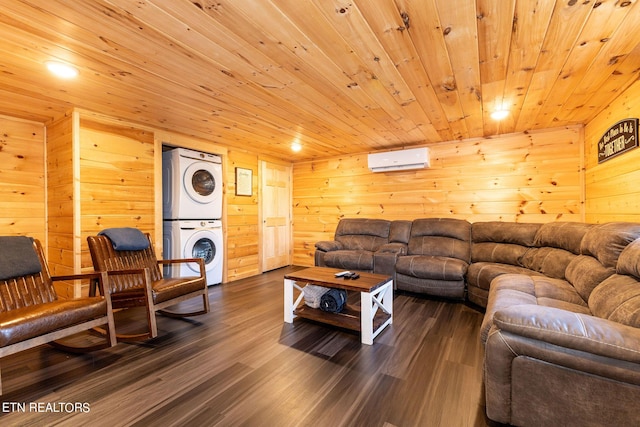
pixel 126 238
pixel 18 257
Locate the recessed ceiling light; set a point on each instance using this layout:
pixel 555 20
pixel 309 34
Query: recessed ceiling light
pixel 499 114
pixel 62 70
pixel 295 146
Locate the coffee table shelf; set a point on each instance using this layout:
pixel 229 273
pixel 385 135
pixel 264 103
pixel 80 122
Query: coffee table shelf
pixel 348 318
pixel 370 317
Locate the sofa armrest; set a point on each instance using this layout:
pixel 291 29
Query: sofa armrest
pixel 570 330
pixel 328 245
pixel 322 248
pixel 384 259
pixel 548 353
pixel 393 248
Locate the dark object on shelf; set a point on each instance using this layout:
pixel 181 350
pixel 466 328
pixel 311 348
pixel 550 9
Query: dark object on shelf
pixel 333 300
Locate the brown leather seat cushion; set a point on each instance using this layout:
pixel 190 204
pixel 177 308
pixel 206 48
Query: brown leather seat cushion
pixel 28 322
pixel 170 288
pixel 480 274
pixel 350 260
pixel 432 267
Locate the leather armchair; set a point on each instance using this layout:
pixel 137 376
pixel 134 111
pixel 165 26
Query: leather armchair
pixel 136 279
pixel 32 314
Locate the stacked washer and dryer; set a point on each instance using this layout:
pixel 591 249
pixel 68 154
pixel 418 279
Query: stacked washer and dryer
pixel 192 212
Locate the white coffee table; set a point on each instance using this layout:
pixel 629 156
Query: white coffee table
pixel 376 300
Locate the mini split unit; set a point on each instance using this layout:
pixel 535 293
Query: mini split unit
pixel 415 158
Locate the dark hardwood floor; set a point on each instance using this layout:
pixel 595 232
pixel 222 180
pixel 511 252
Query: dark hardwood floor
pixel 241 365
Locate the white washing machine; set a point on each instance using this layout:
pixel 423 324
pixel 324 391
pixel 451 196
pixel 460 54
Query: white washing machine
pixel 191 185
pixel 194 239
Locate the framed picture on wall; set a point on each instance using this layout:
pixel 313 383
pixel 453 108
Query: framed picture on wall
pixel 244 178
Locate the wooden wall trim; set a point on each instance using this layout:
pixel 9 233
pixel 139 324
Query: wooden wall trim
pixel 77 206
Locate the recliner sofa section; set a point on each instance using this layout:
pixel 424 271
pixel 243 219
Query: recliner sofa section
pixel 572 344
pixel 438 255
pixel 369 245
pixel 497 248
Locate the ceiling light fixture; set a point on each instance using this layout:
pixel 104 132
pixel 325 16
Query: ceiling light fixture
pixel 499 114
pixel 62 70
pixel 295 146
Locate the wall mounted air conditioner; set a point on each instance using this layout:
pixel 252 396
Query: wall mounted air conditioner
pixel 414 158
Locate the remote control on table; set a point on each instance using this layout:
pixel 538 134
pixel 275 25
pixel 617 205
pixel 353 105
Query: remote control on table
pixel 343 274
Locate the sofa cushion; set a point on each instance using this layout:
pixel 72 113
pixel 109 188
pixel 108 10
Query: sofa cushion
pixel 481 274
pixel 436 287
pixel 516 289
pixel 400 231
pixel 350 260
pixel 503 253
pixel 585 273
pixel 432 267
pixel 562 235
pixel 506 291
pixel 446 227
pixel 558 293
pixel 549 261
pixel 618 297
pixel 439 246
pixel 629 261
pixel 446 237
pixel 504 232
pixel 606 241
pixel 362 234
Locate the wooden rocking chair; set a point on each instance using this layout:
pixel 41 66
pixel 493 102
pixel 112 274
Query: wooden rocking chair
pixel 136 279
pixel 31 313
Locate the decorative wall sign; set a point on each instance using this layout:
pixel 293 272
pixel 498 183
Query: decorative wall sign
pixel 619 138
pixel 244 178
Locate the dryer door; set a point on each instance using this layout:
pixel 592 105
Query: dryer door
pixel 203 182
pixel 205 244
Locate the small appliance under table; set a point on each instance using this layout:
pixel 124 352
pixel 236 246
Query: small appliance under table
pixel 376 300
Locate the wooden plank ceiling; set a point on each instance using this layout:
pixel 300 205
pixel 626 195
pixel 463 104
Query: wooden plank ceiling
pixel 338 76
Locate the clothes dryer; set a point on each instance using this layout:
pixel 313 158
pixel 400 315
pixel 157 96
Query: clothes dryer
pixel 194 239
pixel 191 185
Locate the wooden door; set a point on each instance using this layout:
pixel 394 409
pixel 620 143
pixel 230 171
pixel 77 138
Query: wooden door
pixel 276 233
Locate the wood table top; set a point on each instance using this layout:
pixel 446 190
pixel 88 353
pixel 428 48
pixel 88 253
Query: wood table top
pixel 325 276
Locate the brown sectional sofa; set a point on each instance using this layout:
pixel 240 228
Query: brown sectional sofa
pixel 562 323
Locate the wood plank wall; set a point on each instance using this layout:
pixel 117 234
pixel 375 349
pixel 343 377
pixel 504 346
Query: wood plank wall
pixel 524 177
pixel 532 178
pixel 611 187
pixel 242 226
pixel 22 178
pixel 61 201
pixel 117 185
